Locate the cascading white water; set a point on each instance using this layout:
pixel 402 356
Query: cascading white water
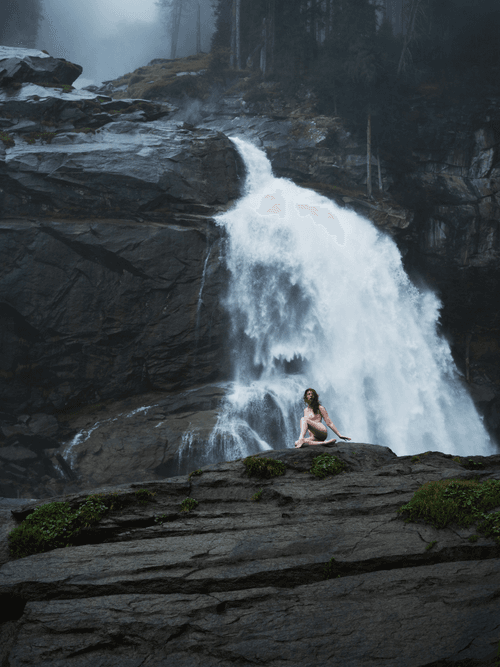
pixel 319 298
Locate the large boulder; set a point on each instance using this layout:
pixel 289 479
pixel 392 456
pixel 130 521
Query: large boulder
pixel 317 573
pixel 19 65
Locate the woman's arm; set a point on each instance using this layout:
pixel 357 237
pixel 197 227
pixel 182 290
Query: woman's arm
pixel 329 423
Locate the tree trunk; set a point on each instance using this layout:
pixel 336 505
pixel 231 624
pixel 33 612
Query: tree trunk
pixel 198 30
pixel 232 56
pixel 410 16
pixel 369 155
pixel 237 26
pixel 263 52
pixel 380 184
pixel 176 23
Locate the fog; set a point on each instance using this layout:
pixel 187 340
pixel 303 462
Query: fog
pixel 109 38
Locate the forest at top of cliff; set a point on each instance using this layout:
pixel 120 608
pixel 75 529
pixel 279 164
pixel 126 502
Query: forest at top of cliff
pixel 361 57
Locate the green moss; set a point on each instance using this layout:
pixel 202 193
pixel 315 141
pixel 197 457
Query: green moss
pixel 195 473
pixel 430 545
pixel 143 496
pixel 264 467
pixel 327 464
pixel 189 504
pixel 459 501
pixel 257 496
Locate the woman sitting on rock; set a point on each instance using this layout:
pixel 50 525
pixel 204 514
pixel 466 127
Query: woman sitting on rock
pixel 314 413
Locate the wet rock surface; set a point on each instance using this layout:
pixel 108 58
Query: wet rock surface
pixel 18 65
pixel 243 582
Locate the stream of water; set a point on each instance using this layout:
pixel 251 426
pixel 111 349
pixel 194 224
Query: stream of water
pixel 318 297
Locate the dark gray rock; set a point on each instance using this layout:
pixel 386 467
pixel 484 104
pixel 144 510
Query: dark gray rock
pixel 121 308
pixel 151 436
pixel 237 581
pixel 19 65
pixel 126 170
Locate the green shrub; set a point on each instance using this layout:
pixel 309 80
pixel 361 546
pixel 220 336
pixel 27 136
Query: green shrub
pixel 458 501
pixel 144 496
pixel 264 467
pixel 257 496
pixel 54 525
pixel 189 504
pixel 327 464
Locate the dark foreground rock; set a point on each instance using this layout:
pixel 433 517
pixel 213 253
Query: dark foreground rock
pixel 237 582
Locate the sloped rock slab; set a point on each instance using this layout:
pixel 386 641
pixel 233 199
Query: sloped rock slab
pixel 385 618
pixel 19 65
pixel 243 582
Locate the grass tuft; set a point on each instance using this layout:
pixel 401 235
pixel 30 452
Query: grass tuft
pixel 257 496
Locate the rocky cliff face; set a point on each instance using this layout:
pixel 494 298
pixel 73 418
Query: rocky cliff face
pixel 111 276
pixel 242 582
pixel 110 259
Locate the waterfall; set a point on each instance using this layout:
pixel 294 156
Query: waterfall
pixel 318 297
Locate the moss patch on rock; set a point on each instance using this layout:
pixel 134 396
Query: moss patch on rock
pixel 462 502
pixel 263 467
pixel 327 464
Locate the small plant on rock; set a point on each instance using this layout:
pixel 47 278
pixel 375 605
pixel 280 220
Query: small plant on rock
pixel 430 545
pixel 257 496
pixel 260 466
pixel 189 504
pixel 327 464
pixel 195 473
pixel 144 496
pixel 473 538
pixel 7 140
pixel 331 569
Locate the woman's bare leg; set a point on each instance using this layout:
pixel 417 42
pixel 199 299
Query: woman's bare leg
pixel 316 436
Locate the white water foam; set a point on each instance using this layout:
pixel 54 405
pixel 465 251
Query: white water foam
pixel 318 297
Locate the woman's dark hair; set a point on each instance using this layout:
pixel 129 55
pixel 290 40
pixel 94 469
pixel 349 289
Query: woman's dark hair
pixel 314 404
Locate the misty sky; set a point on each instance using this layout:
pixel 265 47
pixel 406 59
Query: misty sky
pixel 109 38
